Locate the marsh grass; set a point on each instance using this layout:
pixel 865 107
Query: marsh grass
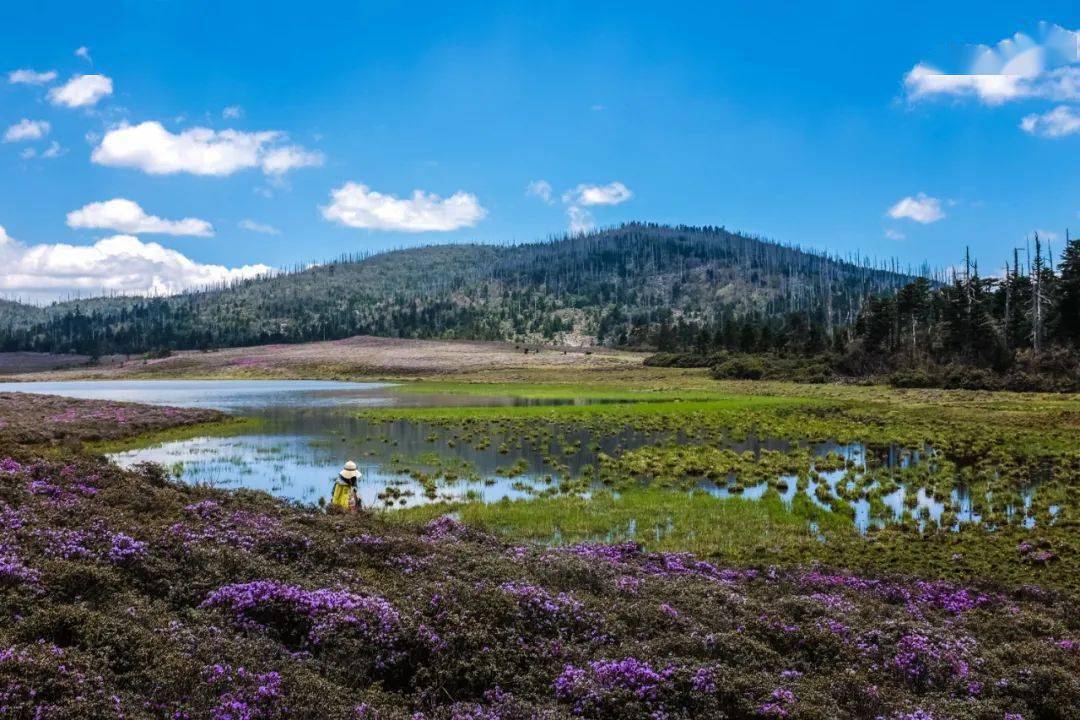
pixel 227 427
pixel 661 520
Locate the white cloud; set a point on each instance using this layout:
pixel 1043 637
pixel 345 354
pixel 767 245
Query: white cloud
pixel 1059 122
pixel 117 264
pixel 540 189
pixel 53 151
pixel 31 77
pixel 126 216
pixel 283 159
pixel 581 220
pixel 613 193
pixel 84 53
pixel 256 227
pixel 1018 67
pixel 81 91
pixel 924 81
pixel 233 112
pixel 356 205
pixel 26 130
pixel 922 209
pixel 894 234
pixel 200 151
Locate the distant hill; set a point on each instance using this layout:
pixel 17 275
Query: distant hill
pixel 618 286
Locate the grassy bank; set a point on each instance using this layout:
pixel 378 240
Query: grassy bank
pixel 223 427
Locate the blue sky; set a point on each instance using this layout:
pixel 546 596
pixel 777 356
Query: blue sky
pixel 265 134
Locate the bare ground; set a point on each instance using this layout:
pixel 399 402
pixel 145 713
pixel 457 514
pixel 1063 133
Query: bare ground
pixel 355 357
pixel 27 362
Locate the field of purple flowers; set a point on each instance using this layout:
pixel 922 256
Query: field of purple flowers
pixel 126 596
pixel 27 418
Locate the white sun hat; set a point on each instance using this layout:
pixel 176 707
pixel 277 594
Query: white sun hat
pixel 349 472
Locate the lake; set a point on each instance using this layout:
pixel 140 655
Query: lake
pixel 307 429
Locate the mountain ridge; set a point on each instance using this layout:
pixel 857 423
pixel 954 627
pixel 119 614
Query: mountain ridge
pixel 611 286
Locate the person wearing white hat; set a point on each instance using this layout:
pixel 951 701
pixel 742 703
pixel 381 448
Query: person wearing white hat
pixel 345 488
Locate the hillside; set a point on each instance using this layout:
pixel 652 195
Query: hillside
pixel 621 286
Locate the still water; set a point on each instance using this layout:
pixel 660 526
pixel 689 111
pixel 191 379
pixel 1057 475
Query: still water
pixel 308 429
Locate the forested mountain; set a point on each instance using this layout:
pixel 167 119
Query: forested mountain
pixel 636 285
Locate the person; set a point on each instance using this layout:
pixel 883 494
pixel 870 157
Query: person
pixel 344 495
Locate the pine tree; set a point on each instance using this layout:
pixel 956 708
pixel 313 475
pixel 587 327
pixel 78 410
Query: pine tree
pixel 1068 308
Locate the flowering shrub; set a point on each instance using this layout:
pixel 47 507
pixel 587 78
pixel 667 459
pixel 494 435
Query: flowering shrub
pixel 42 680
pixel 127 596
pixel 607 688
pixel 124 549
pixel 14 571
pixel 778 704
pixel 546 611
pixel 244 695
pixel 926 658
pixel 314 617
pixel 241 529
pixel 94 543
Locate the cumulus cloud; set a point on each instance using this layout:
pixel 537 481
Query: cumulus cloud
pixel 541 189
pixel 257 227
pixel 581 220
pixel 84 53
pixel 117 264
pixel 356 205
pixel 894 234
pixel 27 76
pixel 921 208
pixel 1059 122
pixel 233 112
pixel 126 216
pixel 613 193
pixel 1047 66
pixel 27 130
pixel 81 91
pixel 200 151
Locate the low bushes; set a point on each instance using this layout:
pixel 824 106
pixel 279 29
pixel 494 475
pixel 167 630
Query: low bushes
pixel 813 369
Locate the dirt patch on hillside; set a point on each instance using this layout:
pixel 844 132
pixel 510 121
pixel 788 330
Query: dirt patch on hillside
pixel 361 356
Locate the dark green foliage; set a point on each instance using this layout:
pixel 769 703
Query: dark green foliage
pixel 1068 315
pixel 739 369
pixel 1013 333
pixel 799 368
